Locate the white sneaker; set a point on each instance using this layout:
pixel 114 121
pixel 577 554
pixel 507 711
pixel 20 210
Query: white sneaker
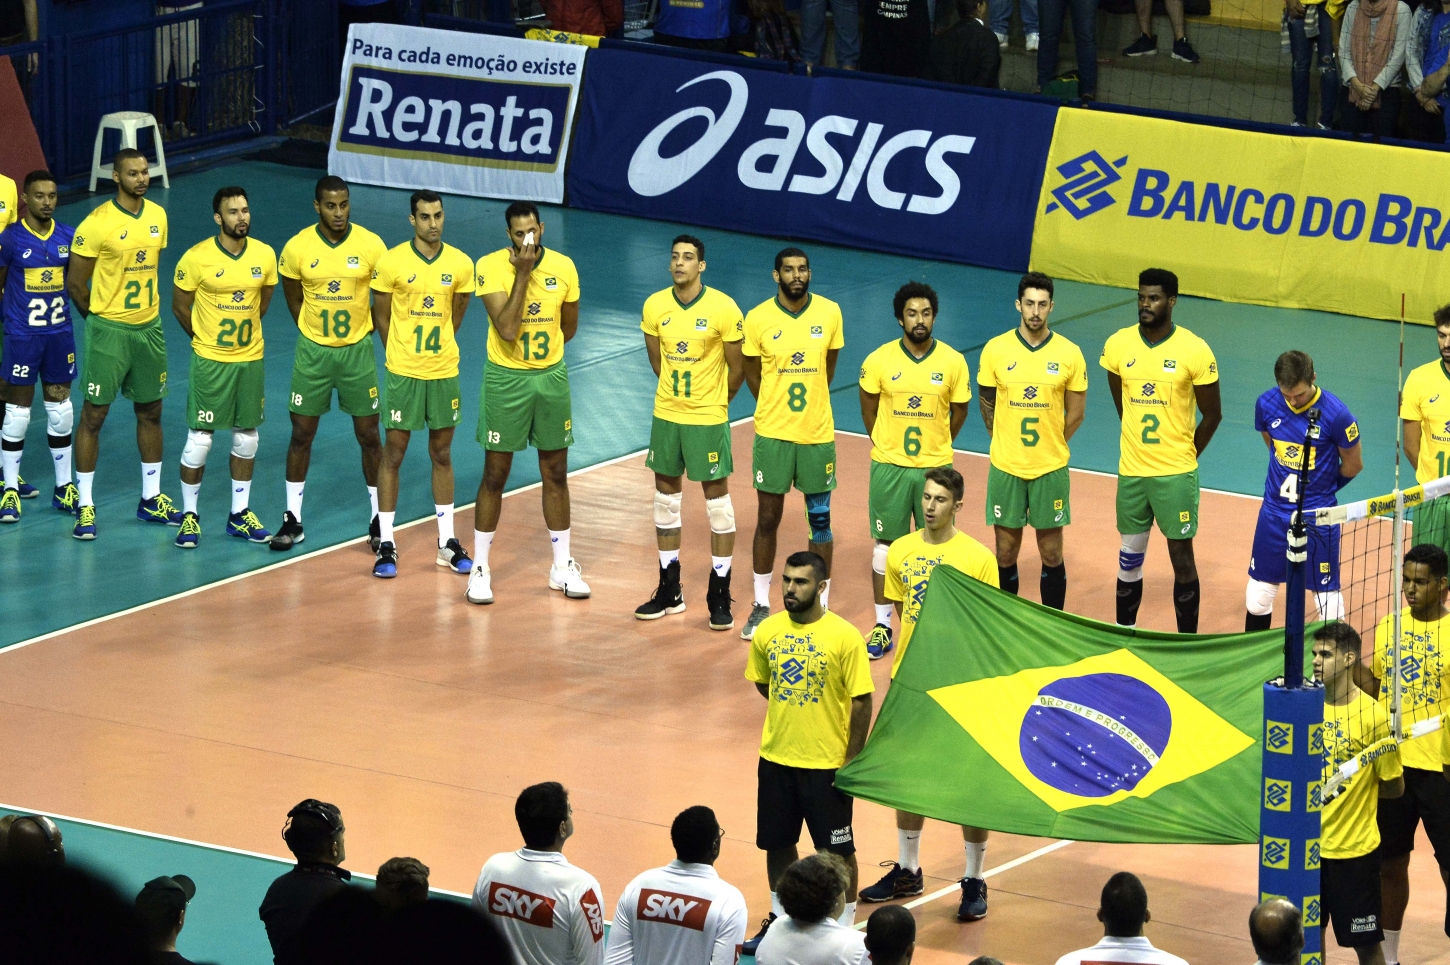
pixel 570 579
pixel 480 585
pixel 1032 40
pixel 1002 41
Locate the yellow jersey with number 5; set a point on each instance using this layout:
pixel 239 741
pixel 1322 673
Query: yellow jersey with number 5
pixel 553 282
pixel 127 249
pixel 1029 418
pixel 1160 411
pixel 335 279
pixel 914 413
pixel 795 393
pixel 694 387
pixel 420 330
pixel 226 320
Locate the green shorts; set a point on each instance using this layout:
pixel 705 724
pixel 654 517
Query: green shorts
pixel 1171 500
pixel 519 408
pixel 1015 502
pixel 894 500
pixel 416 404
pixel 701 451
pixel 1432 523
pixel 810 466
pixel 225 395
pixel 319 369
pixel 123 359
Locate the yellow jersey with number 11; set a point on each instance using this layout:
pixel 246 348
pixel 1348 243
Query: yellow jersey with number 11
pixel 336 300
pixel 420 327
pixel 914 412
pixel 125 286
pixel 226 321
pixel 1160 411
pixel 795 393
pixel 553 282
pixel 694 385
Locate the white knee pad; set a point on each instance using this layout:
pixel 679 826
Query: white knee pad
pixel 1259 597
pixel 667 509
pixel 17 421
pixel 1330 605
pixel 198 444
pixel 1130 557
pixel 878 559
pixel 60 418
pixel 722 514
pixel 244 443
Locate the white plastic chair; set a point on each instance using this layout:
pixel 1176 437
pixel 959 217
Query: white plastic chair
pixel 128 123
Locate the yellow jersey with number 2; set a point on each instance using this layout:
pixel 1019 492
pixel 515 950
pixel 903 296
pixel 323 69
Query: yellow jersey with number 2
pixel 1029 420
pixel 127 249
pixel 914 414
pixel 336 299
pixel 553 282
pixel 694 387
pixel 909 565
pixel 1159 407
pixel 795 394
pixel 1426 400
pixel 226 323
pixel 420 328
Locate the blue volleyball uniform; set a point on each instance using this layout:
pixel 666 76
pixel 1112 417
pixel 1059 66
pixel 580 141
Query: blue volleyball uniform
pixel 1287 428
pixel 39 339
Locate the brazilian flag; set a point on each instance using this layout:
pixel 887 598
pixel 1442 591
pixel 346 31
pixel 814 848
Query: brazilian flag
pixel 1014 717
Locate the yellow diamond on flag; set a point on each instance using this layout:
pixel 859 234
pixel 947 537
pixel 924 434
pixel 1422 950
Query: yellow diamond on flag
pixel 1094 732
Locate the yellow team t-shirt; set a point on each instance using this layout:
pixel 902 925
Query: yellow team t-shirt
pixel 336 298
pixel 813 672
pixel 1426 400
pixel 914 416
pixel 1159 407
pixel 127 249
pixel 9 203
pixel 694 385
pixel 420 329
pixel 795 394
pixel 909 564
pixel 1030 419
pixel 1422 683
pixel 226 318
pixel 553 282
pixel 1350 828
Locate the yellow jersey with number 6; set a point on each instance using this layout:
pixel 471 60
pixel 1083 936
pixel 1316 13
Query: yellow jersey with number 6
pixel 1160 411
pixel 914 413
pixel 125 286
pixel 1029 417
pixel 694 385
pixel 795 392
pixel 226 320
pixel 420 329
pixel 1426 400
pixel 336 298
pixel 553 282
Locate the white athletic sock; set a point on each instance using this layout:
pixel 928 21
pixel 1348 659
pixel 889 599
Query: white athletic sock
pixel 10 461
pixel 721 565
pixel 848 915
pixel 61 458
pixel 84 482
pixel 826 595
pixel 1392 947
pixel 445 522
pixel 976 854
pixel 883 614
pixel 150 480
pixel 908 849
pixel 294 498
pixel 559 539
pixel 385 527
pixel 667 557
pixel 482 543
pixel 373 500
pixel 775 906
pixel 762 589
pixel 241 494
pixel 189 494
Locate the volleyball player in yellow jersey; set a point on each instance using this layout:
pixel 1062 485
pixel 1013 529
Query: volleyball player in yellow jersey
pixel 1160 375
pixel 692 334
pixel 1425 415
pixel 791 344
pixel 112 280
pixel 326 269
pixel 9 214
pixel 1034 393
pixel 421 290
pixel 1349 843
pixel 532 297
pixel 927 387
pixel 222 288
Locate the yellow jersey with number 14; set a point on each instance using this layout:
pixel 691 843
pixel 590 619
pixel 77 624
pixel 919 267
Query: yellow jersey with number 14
pixel 1426 400
pixel 914 412
pixel 1159 407
pixel 795 393
pixel 125 286
pixel 420 327
pixel 226 320
pixel 553 282
pixel 909 564
pixel 1029 418
pixel 694 385
pixel 336 299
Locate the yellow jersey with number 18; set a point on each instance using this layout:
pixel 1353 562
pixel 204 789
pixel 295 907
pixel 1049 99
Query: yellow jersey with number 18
pixel 1159 407
pixel 336 300
pixel 914 412
pixel 694 385
pixel 553 282
pixel 420 327
pixel 125 286
pixel 909 564
pixel 1426 400
pixel 226 320
pixel 1029 418
pixel 9 203
pixel 795 394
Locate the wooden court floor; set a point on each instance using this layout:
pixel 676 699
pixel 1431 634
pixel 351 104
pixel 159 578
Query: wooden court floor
pixel 207 716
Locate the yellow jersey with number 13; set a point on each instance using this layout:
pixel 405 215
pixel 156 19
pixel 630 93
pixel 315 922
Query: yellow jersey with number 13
pixel 420 327
pixel 694 385
pixel 1159 407
pixel 1029 420
pixel 127 249
pixel 336 300
pixel 226 323
pixel 795 394
pixel 914 413
pixel 1426 400
pixel 553 282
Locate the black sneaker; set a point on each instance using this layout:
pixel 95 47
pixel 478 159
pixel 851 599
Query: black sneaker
pixel 974 900
pixel 386 565
pixel 1183 50
pixel 668 597
pixel 717 598
pixel 1144 46
pixel 289 534
pixel 751 944
pixel 375 534
pixel 897 883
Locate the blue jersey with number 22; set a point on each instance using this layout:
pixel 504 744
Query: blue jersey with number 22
pixel 1286 428
pixel 35 301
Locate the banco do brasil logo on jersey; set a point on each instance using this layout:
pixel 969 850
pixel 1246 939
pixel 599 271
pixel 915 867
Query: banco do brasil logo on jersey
pixel 1085 182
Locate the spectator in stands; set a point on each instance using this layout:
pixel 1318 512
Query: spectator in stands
pixel 847 17
pixel 813 893
pixel 162 906
pixel 966 52
pixel 1427 64
pixel 775 34
pixel 597 18
pixel 891 936
pixel 1372 45
pixel 1001 14
pixel 1123 910
pixel 314 833
pixel 896 38
pixel 34 839
pixel 1084 38
pixel 694 24
pixel 1147 44
pixel 1276 930
pixel 345 928
pixel 401 882
pixel 1311 36
pixel 53 915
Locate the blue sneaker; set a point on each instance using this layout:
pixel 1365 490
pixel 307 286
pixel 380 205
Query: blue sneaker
pixel 896 883
pixel 751 944
pixel 158 509
pixel 974 900
pixel 386 566
pixel 245 525
pixel 85 527
pixel 66 499
pixel 190 533
pixel 10 506
pixel 451 554
pixel 879 643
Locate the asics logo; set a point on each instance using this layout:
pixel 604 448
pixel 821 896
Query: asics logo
pixel 314 263
pixel 411 278
pixel 1084 189
pixel 896 376
pixel 1275 423
pixel 1130 363
pixel 220 273
pixel 651 175
pixel 1011 366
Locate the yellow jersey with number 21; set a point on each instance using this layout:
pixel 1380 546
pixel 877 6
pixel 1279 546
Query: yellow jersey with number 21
pixel 795 394
pixel 125 286
pixel 914 412
pixel 226 321
pixel 909 565
pixel 1159 407
pixel 336 300
pixel 420 327
pixel 553 282
pixel 694 385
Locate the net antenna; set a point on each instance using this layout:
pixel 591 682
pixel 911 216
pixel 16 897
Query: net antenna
pixel 1397 571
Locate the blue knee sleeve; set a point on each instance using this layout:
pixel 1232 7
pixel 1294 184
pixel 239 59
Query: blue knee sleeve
pixel 818 514
pixel 1130 561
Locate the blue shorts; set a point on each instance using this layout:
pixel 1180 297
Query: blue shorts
pixel 50 358
pixel 1270 563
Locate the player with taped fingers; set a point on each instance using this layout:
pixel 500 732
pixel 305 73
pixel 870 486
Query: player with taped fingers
pixel 1282 415
pixel 1034 394
pixel 1161 376
pixel 1425 421
pixel 39 343
pixel 927 387
pixel 222 289
pixel 692 334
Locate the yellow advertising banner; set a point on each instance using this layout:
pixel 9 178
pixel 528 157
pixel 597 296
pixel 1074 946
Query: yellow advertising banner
pixel 1294 222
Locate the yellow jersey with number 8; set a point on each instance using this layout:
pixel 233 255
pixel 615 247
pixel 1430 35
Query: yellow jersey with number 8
pixel 694 385
pixel 795 393
pixel 127 249
pixel 420 329
pixel 335 279
pixel 1160 411
pixel 914 412
pixel 226 321
pixel 553 282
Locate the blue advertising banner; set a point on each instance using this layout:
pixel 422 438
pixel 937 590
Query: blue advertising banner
pixel 935 172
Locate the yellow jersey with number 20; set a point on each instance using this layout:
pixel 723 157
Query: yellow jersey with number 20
pixel 1029 418
pixel 226 323
pixel 127 249
pixel 694 385
pixel 1159 407
pixel 909 564
pixel 1426 400
pixel 420 327
pixel 914 413
pixel 795 394
pixel 553 282
pixel 336 299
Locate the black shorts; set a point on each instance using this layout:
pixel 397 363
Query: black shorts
pixel 1349 895
pixel 789 795
pixel 1427 799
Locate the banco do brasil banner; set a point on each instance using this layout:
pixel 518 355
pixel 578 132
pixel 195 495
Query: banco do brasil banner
pixel 1294 222
pixel 943 174
pixel 465 113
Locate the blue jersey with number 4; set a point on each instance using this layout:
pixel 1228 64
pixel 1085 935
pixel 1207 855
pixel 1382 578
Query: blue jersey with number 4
pixel 1286 428
pixel 35 301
